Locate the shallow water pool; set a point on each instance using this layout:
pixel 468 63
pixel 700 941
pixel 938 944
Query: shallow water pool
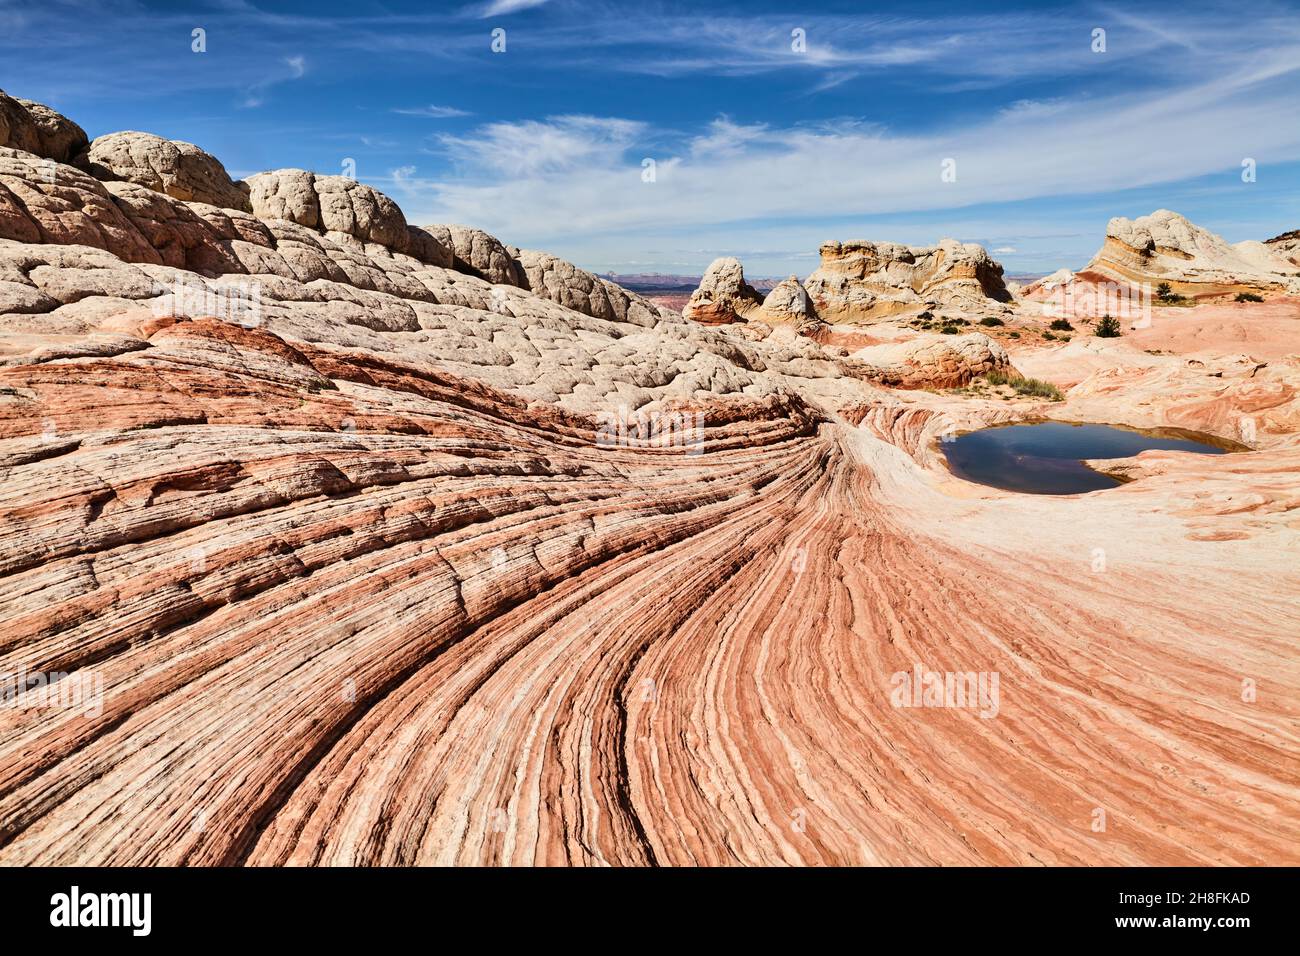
pixel 1046 458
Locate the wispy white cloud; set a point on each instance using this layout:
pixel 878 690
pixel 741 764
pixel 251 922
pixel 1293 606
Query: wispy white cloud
pixel 433 112
pixel 1036 109
pixel 952 51
pixel 500 8
pixel 1178 94
pixel 726 138
pixel 256 94
pixel 734 174
pixel 543 148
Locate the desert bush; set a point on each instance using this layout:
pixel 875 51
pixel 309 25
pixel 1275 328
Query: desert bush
pixel 1013 335
pixel 1108 328
pixel 950 330
pixel 1025 386
pixel 1050 335
pixel 1038 388
pixel 1248 297
pixel 990 321
pixel 1062 325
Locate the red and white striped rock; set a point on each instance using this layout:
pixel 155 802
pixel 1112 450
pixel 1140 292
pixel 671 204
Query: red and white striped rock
pixel 363 578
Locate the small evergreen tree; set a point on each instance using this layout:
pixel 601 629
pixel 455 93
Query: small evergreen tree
pixel 1108 328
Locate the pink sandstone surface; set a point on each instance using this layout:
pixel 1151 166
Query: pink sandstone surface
pixel 364 585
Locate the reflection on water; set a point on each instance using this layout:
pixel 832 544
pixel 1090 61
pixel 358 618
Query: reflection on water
pixel 1045 458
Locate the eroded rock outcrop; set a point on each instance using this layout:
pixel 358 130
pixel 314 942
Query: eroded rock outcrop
pixel 1166 247
pixel 553 278
pixel 330 204
pixel 931 361
pixel 177 231
pixel 861 281
pixel 42 202
pixel 362 558
pixel 723 295
pixel 1287 246
pixel 180 170
pixel 476 252
pixel 35 128
pixel 312 266
pixel 1048 284
pixel 789 300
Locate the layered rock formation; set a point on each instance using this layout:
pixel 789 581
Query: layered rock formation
pixel 1166 247
pixel 861 281
pixel 397 546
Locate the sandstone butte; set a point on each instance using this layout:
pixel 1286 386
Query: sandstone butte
pixel 1165 247
pixel 859 281
pixel 318 497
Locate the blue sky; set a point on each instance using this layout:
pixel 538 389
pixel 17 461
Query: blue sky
pixel 761 150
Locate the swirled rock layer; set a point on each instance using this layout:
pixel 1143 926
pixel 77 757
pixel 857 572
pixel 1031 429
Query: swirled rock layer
pixel 320 549
pixel 1165 247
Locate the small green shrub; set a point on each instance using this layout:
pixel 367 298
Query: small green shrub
pixel 950 330
pixel 1049 335
pixel 1107 328
pixel 1248 297
pixel 1013 335
pixel 990 321
pixel 1037 388
pixel 1062 325
pixel 1025 386
pixel 926 315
